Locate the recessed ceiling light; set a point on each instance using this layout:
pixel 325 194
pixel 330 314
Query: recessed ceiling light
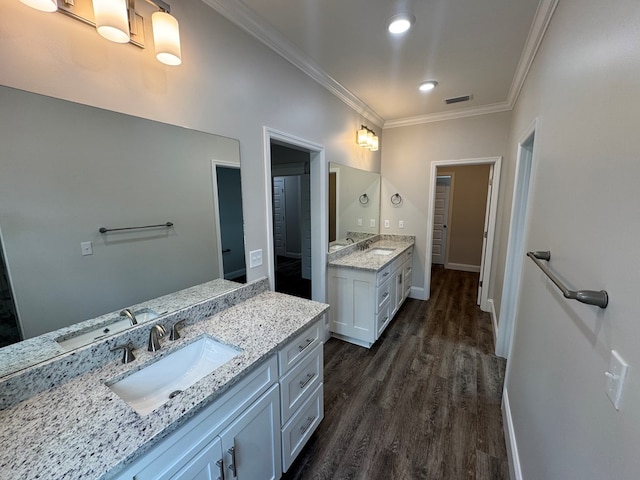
pixel 426 86
pixel 400 23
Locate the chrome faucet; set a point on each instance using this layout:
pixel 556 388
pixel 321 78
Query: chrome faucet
pixel 128 313
pixel 156 333
pixel 350 240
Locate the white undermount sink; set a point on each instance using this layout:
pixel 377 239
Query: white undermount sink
pixel 382 251
pixel 152 386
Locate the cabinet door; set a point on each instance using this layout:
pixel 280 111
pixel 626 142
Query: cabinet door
pixel 251 444
pixel 206 465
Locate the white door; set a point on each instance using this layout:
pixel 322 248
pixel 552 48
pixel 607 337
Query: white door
pixel 279 224
pixel 305 224
pixel 484 235
pixel 440 218
pixel 251 445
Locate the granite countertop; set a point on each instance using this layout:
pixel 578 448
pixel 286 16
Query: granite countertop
pixel 82 429
pixel 367 260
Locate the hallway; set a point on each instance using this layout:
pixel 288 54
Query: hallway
pixel 424 402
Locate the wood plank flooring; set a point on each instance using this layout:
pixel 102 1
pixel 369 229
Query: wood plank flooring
pixel 422 403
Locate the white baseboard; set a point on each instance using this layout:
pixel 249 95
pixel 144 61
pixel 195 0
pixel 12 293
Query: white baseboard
pixel 463 267
pixel 417 293
pixel 515 472
pixel 494 319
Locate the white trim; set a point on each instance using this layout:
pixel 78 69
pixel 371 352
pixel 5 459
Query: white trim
pixel 441 116
pixel 515 470
pixel 319 206
pixel 216 210
pixel 523 181
pixel 539 27
pixel 245 18
pixel 494 318
pixel 417 293
pixel 496 162
pixel 463 267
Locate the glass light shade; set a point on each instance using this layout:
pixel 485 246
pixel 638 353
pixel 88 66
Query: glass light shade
pixel 426 86
pixel 166 37
pixel 42 5
pixel 361 137
pixel 375 144
pixel 112 20
pixel 370 136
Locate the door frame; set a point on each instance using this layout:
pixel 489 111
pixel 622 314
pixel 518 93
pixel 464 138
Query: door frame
pixel 319 207
pixel 518 228
pixel 216 211
pixel 488 258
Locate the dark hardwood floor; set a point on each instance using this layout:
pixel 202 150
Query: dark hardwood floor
pixel 422 403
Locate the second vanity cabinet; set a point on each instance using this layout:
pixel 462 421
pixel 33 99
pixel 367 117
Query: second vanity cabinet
pixel 363 302
pixel 255 430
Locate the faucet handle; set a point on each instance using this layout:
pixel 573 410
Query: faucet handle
pixel 127 352
pixel 175 333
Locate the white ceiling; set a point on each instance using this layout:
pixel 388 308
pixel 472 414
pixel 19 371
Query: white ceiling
pixel 468 46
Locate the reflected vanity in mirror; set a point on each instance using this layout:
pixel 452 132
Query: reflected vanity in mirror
pixel 354 205
pixel 68 170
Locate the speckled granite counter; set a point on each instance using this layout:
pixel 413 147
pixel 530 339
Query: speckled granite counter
pixel 82 429
pixel 367 260
pixel 44 347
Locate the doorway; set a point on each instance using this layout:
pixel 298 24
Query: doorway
pixel 439 248
pixel 317 193
pixel 516 244
pixel 490 222
pixel 9 326
pixel 227 199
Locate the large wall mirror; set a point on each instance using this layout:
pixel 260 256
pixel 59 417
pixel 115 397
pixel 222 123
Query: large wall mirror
pixel 354 204
pixel 70 169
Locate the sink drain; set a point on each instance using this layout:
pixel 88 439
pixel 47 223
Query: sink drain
pixel 174 394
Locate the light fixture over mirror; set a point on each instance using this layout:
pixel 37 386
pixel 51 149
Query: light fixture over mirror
pixel 118 21
pixel 366 138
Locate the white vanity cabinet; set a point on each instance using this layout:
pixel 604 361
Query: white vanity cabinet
pixel 363 302
pixel 301 391
pixel 238 434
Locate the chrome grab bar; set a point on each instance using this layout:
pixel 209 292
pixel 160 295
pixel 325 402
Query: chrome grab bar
pixel 590 297
pixel 106 230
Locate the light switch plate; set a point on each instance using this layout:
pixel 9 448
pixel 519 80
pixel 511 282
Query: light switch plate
pixel 615 378
pixel 386 224
pixel 359 222
pixel 372 222
pixel 401 224
pixel 255 258
pixel 87 248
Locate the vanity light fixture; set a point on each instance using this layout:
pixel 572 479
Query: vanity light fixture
pixel 427 86
pixel 365 137
pixel 400 23
pixel 118 21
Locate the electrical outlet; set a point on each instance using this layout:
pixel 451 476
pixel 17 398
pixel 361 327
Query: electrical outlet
pixel 372 223
pixel 255 258
pixel 359 222
pixel 615 378
pixel 86 248
pixel 386 224
pixel 401 224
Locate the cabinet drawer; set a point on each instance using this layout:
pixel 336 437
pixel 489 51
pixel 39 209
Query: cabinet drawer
pixel 382 295
pixel 300 382
pixel 299 347
pixel 296 433
pixel 383 275
pixel 382 319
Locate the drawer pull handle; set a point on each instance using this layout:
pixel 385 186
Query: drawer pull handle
pixel 232 466
pixel 385 274
pixel 385 294
pixel 219 465
pixel 309 342
pixel 310 376
pixel 305 427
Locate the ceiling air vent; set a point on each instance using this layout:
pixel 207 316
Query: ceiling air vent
pixel 463 98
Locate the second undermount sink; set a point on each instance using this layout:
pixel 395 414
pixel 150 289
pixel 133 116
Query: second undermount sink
pixel 152 386
pixel 382 251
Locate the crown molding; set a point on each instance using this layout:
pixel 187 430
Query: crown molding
pixel 442 116
pixel 247 20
